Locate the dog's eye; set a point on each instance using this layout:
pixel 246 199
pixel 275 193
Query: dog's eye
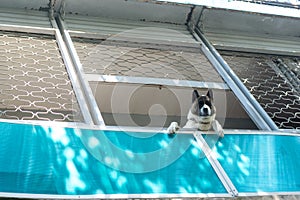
pixel 200 103
pixel 208 103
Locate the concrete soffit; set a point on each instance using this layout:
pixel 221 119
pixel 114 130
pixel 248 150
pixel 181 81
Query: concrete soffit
pixel 250 32
pixel 234 17
pixel 241 26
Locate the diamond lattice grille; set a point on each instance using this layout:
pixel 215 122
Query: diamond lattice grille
pixel 273 81
pixel 34 83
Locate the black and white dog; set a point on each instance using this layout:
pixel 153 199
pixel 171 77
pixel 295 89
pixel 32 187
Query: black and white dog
pixel 201 115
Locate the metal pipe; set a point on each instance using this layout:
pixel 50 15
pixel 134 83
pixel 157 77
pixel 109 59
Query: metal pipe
pixel 112 196
pixel 82 125
pixel 216 165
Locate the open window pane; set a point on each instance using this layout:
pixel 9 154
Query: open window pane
pixel 143 74
pixel 158 106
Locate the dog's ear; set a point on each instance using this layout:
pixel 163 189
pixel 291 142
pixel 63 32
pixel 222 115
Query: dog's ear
pixel 195 95
pixel 210 94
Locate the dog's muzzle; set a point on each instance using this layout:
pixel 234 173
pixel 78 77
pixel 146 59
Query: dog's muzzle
pixel 205 111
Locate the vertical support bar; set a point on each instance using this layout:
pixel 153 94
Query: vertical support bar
pixel 72 74
pixel 256 112
pixel 216 165
pixel 93 106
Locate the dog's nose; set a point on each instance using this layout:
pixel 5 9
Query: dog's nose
pixel 205 110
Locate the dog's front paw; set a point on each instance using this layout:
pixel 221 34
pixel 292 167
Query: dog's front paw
pixel 173 128
pixel 218 128
pixel 221 133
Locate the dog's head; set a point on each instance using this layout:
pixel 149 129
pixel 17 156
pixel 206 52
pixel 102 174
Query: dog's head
pixel 203 105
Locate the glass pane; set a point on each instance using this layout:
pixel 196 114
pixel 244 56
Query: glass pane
pixel 261 163
pixel 56 160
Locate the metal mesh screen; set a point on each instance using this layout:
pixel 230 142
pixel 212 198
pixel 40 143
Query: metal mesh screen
pixel 158 61
pixel 273 81
pixel 34 83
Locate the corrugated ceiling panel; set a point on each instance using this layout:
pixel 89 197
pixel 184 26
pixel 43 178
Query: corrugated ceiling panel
pixel 25 18
pixel 134 31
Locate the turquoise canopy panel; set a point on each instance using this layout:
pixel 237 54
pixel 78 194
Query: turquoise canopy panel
pixel 71 161
pixel 261 163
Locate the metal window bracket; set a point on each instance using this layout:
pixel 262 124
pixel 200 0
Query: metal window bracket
pixel 216 165
pixel 111 196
